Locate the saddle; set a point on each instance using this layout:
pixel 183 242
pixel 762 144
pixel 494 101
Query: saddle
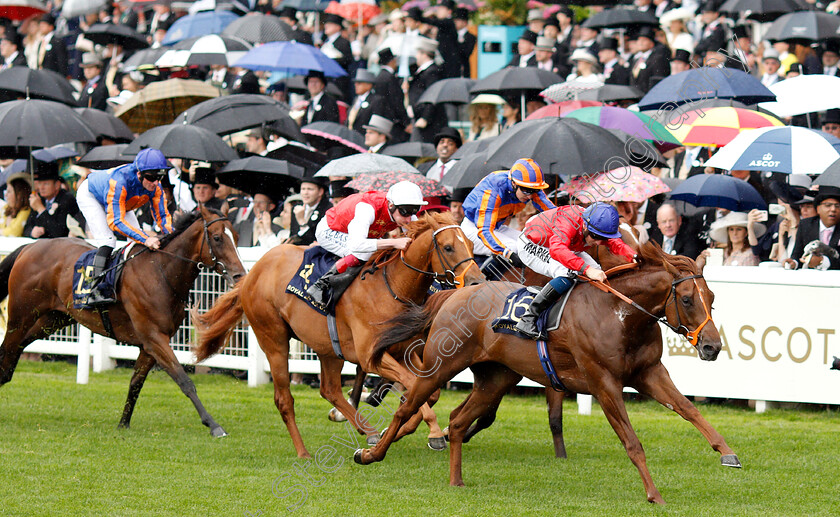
pixel 316 261
pixel 83 280
pixel 517 302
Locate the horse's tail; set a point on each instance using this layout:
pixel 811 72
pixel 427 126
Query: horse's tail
pixel 415 320
pixel 6 270
pixel 215 326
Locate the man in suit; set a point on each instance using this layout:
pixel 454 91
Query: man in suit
pixel 367 101
pixel 714 35
pixel 305 217
pixel 51 204
pixel 428 118
pixel 566 30
pixel 257 226
pixel 337 47
pixel 447 141
pixel 377 133
pixel 387 86
pixel 651 62
pixel 242 80
pixel 675 238
pixel 772 64
pixel 526 53
pixel 831 122
pixel 289 15
pixel 95 93
pixel 823 228
pixel 614 73
pixel 447 37
pixel 322 107
pixel 52 53
pixel 545 54
pixel 830 58
pixel 10 46
pixel 466 41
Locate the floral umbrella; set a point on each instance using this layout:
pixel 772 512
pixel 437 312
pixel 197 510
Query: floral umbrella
pixel 623 184
pixel 631 122
pixel 383 181
pixel 718 126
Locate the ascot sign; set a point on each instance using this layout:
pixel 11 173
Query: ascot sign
pixel 766 161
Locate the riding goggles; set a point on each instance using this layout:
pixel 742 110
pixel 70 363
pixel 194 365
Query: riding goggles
pixel 153 175
pixel 528 191
pixel 408 210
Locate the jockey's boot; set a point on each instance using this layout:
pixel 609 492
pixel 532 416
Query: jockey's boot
pixel 542 301
pixel 332 284
pixel 96 296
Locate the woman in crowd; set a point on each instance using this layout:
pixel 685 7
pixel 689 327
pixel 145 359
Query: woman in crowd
pixel 484 117
pixel 17 208
pixel 677 34
pixel 510 114
pixel 586 67
pixel 739 232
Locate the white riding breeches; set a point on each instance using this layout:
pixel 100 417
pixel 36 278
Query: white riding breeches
pixel 505 234
pixel 538 258
pixel 97 218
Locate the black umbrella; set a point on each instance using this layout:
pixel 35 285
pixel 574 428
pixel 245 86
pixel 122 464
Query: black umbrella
pixel 611 93
pixel 232 113
pixel 455 91
pixel 259 28
pixel 184 141
pixel 638 152
pixel 409 150
pixel 295 84
pixel 105 33
pixel 144 59
pixel 620 17
pixel 301 155
pixel 27 124
pixel 468 171
pixel 326 135
pixel 20 81
pixel 804 25
pixel 257 174
pixel 763 10
pixel 476 146
pixel 105 157
pixel 106 125
pixel 517 81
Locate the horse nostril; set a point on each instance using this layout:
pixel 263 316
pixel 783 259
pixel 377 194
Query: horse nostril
pixel 474 282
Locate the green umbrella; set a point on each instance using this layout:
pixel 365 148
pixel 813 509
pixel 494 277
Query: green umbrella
pixel 633 123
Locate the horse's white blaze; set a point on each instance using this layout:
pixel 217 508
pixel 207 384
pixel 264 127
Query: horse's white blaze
pixel 460 238
pixel 233 242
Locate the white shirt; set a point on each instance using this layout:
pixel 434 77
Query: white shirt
pixel 831 70
pixel 434 172
pixel 768 79
pixel 523 60
pixel 668 243
pixel 310 110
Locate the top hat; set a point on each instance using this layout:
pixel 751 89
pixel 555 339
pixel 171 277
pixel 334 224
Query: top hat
pixel 566 10
pixel 205 176
pixel 287 12
pixel 385 56
pixel 832 46
pixel 544 43
pixel 415 13
pixel 47 18
pixel 333 18
pixel 831 117
pixel 609 44
pixel 826 192
pixel 644 32
pixel 529 35
pixel 449 132
pixel 314 73
pixel 461 13
pixel 460 194
pixel 380 124
pixel 90 59
pixel 683 55
pixel 12 36
pixel 43 171
pixel 771 53
pixel 449 4
pixel 534 15
pixel 741 31
pixel 551 20
pixel 710 6
pixel 364 76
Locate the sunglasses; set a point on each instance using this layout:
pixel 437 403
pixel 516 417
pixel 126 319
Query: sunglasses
pixel 153 177
pixel 528 191
pixel 408 210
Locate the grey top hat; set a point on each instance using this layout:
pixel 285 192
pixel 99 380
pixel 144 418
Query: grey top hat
pixel 364 76
pixel 90 59
pixel 544 43
pixel 380 124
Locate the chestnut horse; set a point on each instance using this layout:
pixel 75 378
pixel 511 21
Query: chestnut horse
pixel 438 250
pixel 603 344
pixel 38 278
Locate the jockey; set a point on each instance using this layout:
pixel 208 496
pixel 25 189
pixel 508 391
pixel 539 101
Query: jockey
pixel 552 245
pixel 494 200
pixel 107 198
pixel 354 230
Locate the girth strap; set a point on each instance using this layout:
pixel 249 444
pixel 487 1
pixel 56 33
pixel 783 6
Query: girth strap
pixel 106 323
pixel 548 367
pixel 332 327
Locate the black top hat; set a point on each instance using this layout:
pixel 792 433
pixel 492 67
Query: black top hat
pixel 449 132
pixel 205 176
pixel 322 182
pixel 609 44
pixel 337 188
pixel 683 55
pixel 796 68
pixel 785 192
pixel 47 18
pixel 415 13
pixel 461 13
pixel 385 56
pixel 710 6
pixel 450 4
pixel 460 194
pixel 529 35
pixel 644 32
pixel 565 9
pixel 12 37
pixel 287 12
pixel 831 117
pixel 314 73
pixel 832 46
pixel 825 192
pixel 333 18
pixel 741 31
pixel 43 170
pixel 551 20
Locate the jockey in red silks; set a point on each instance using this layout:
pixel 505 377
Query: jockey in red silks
pixel 552 245
pixel 354 230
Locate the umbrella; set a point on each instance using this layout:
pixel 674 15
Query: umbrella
pixel 354 10
pixel 54 153
pixel 73 8
pixel 295 84
pixel 791 98
pixel 570 90
pixel 623 184
pixel 671 115
pixel 257 174
pixel 791 150
pixel 455 91
pixel 21 9
pixel 831 175
pixel 638 152
pixel 516 81
pixel 307 5
pixel 160 102
pixel 26 124
pixel 353 165
pixel 184 141
pixel 325 135
pixel 611 93
pixel 233 113
pixel 620 17
pixel 763 10
pixel 804 25
pixel 718 126
pixel 631 122
pixel 291 57
pixel 704 83
pixel 105 33
pixel 411 150
pixel 720 191
pixel 473 147
pixel 20 81
pixel 144 59
pixel 561 109
pixel 204 51
pixel 468 171
pixel 382 181
pixel 105 157
pixel 199 24
pixel 259 28
pixel 106 125
pixel 299 154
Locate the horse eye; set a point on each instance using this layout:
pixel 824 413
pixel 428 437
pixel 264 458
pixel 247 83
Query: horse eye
pixel 686 300
pixel 448 248
pixel 217 238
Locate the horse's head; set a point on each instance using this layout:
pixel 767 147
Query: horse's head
pixel 218 246
pixel 439 244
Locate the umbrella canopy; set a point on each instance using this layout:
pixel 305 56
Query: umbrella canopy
pixel 20 81
pixel 106 125
pixel 54 153
pixel 382 181
pixel 804 25
pixel 307 5
pixel 325 135
pixel 356 11
pixel 719 191
pixel 199 24
pixel 763 10
pixel 718 126
pixel 291 57
pixel 473 147
pixel 671 116
pixel 631 122
pixel 144 59
pixel 162 101
pixel 260 175
pixel 105 33
pixel 455 91
pixel 704 83
pixel 183 141
pixel 356 164
pixel 611 93
pixel 73 8
pixel 233 113
pixel 620 17
pixel 624 184
pixel 561 109
pixel 791 98
pixel 21 9
pixel 259 28
pixel 568 91
pixel 31 123
pixel 411 150
pixel 791 150
pixel 468 171
pixel 105 157
pixel 204 51
pixel 516 80
pixel 831 175
pixel 638 152
pixel 298 154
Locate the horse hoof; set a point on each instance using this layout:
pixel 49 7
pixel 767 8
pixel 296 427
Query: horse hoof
pixel 446 433
pixel 218 432
pixel 372 440
pixel 730 460
pixel 357 456
pixel 437 444
pixel 336 416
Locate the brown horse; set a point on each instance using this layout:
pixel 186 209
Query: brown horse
pixel 602 345
pixel 38 278
pixel 438 249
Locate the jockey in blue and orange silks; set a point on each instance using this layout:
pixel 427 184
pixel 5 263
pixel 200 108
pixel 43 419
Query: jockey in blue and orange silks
pixel 498 197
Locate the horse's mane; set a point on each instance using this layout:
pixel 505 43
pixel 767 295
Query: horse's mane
pixel 429 221
pixel 652 253
pixel 183 222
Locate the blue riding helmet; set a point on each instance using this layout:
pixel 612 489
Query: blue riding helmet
pixel 150 159
pixel 602 220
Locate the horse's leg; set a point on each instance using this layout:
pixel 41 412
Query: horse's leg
pixel 142 365
pixel 555 420
pixel 413 422
pixel 331 391
pixel 656 382
pixel 158 347
pixel 491 382
pixel 20 333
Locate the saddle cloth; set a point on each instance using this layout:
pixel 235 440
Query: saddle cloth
pixel 517 303
pixel 316 261
pixel 83 273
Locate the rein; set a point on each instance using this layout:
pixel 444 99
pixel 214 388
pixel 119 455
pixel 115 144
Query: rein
pixel 448 278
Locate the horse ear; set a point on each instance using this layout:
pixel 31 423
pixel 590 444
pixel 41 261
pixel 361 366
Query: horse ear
pixel 670 267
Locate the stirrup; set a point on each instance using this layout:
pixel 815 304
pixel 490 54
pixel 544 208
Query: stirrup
pixel 529 327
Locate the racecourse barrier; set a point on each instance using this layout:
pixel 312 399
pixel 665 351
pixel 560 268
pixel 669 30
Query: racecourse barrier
pixel 779 332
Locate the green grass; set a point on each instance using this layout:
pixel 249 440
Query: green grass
pixel 61 454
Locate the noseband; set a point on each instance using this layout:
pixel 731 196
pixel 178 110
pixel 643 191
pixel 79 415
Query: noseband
pixel 216 261
pixel 448 278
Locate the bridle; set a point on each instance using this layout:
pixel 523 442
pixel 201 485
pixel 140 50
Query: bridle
pixel 448 278
pixel 200 265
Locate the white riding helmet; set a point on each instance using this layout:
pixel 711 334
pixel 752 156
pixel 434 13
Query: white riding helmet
pixel 405 193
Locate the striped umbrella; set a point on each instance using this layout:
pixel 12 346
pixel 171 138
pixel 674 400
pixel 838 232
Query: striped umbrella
pixel 631 122
pixel 211 49
pixel 624 184
pixel 718 126
pixel 160 102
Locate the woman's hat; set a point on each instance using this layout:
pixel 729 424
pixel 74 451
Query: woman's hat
pixel 20 176
pixel 718 231
pixel 488 98
pixel 680 13
pixel 581 54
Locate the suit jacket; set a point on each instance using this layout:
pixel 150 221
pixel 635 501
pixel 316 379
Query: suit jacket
pixel 809 230
pixel 433 114
pixel 685 242
pixel 55 58
pixel 305 235
pixel 465 50
pixel 388 86
pixel 325 110
pixel 447 37
pixel 247 83
pixel 619 75
pixel 95 95
pixel 19 60
pixel 302 36
pixel 54 219
pixel 713 42
pixel 373 104
pixel 532 61
pixel 656 67
pixel 245 230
